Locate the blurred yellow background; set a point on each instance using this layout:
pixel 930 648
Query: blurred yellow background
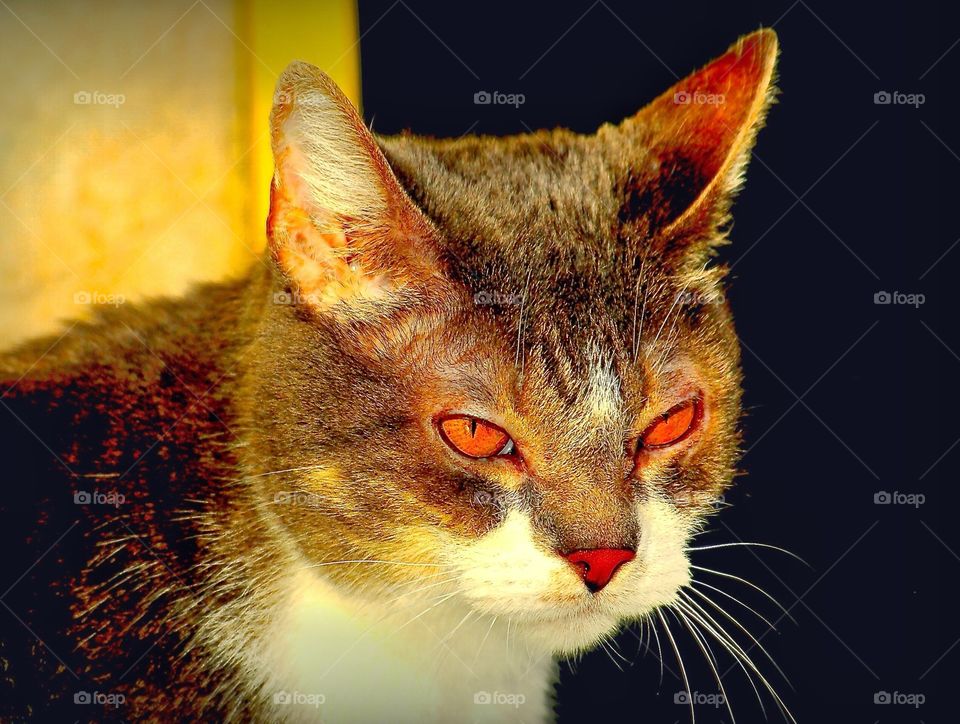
pixel 135 144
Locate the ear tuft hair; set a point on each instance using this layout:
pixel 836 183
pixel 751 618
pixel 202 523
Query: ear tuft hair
pixel 687 150
pixel 341 226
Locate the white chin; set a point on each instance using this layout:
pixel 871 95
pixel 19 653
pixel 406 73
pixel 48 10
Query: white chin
pixel 569 636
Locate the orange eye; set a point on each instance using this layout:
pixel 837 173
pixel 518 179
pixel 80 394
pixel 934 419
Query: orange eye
pixel 673 426
pixel 474 437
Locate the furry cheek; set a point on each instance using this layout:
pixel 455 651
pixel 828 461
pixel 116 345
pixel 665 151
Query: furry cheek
pixel 663 565
pixel 507 572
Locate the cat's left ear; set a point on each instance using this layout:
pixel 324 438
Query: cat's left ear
pixel 685 153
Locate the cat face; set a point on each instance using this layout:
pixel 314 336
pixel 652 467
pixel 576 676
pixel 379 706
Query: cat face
pixel 509 370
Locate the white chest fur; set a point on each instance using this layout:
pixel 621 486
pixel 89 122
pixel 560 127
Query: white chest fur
pixel 328 659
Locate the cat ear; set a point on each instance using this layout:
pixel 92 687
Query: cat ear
pixel 341 227
pixel 687 150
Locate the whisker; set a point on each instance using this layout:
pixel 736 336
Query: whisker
pixel 676 319
pixel 418 591
pixel 638 333
pixel 606 650
pixel 656 636
pixel 732 598
pixel 747 583
pixel 733 647
pixel 639 634
pixel 316 466
pixel 746 543
pixel 662 325
pixel 746 672
pixel 711 659
pixel 456 628
pixel 373 560
pixel 443 599
pixel 387 615
pixel 615 649
pixel 680 613
pixel 523 303
pixel 736 623
pixel 484 639
pixel 683 670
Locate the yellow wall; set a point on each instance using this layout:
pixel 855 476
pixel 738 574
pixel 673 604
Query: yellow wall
pixel 325 35
pixel 161 180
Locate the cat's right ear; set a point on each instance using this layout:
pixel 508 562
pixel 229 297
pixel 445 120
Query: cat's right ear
pixel 341 227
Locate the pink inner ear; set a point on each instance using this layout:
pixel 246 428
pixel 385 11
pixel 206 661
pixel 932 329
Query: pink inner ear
pixel 724 94
pixel 695 131
pixel 311 252
pixel 340 225
pixel 709 111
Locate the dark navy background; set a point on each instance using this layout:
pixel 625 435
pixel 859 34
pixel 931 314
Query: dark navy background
pixel 874 382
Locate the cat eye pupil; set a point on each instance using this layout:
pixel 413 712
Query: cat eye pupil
pixel 672 427
pixel 474 437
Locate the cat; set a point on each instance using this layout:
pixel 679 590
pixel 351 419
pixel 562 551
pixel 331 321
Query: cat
pixel 462 421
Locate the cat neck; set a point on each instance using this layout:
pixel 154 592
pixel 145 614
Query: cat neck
pixel 336 657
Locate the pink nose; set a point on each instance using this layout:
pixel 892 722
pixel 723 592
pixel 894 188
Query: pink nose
pixel 597 565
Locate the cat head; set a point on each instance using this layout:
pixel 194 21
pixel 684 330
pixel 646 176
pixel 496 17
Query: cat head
pixel 506 364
